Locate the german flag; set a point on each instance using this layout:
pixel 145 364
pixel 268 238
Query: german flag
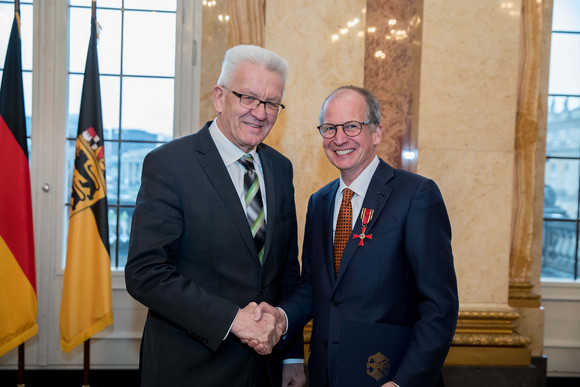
pixel 17 268
pixel 87 302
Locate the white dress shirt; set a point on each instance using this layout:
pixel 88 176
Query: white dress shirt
pixel 230 155
pixel 359 186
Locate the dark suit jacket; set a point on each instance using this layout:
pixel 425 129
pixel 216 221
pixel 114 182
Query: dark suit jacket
pixel 404 275
pixel 193 263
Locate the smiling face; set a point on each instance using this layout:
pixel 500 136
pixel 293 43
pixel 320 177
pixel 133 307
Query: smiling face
pixel 247 128
pixel 350 154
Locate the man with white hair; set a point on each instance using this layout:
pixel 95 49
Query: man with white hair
pixel 213 234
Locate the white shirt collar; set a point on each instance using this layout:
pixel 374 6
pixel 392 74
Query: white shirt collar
pixel 227 150
pixel 360 185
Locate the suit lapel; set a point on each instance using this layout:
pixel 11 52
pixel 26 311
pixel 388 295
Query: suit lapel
pixel 327 229
pixel 217 173
pixel 268 171
pixel 375 199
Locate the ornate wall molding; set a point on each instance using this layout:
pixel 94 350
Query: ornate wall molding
pixel 488 338
pixel 488 328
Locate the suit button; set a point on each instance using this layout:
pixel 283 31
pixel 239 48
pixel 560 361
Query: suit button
pixel 335 302
pixel 325 342
pixel 262 291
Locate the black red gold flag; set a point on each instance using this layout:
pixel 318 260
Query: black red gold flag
pixel 17 267
pixel 86 305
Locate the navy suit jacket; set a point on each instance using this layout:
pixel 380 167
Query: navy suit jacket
pixel 193 263
pixel 404 275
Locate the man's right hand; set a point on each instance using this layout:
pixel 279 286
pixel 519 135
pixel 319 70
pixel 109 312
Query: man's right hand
pixel 263 332
pixel 267 311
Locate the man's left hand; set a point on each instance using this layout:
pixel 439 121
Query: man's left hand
pixel 293 375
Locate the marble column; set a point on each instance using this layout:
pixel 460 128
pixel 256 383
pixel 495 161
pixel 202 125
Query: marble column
pixel 392 74
pixel 466 142
pixel 526 245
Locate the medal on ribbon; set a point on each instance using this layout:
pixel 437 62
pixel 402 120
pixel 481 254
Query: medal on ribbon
pixel 366 215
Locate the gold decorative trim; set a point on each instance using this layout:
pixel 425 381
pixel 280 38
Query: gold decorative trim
pixel 490 340
pixel 488 315
pixel 488 328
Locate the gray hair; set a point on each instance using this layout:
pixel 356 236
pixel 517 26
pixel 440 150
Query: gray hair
pixel 253 54
pixel 372 112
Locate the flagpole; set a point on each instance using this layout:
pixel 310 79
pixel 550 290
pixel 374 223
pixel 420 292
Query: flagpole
pixel 87 344
pixel 20 365
pixel 21 346
pixel 86 362
pixel 13 113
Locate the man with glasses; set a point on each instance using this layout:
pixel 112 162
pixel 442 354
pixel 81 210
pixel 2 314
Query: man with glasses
pixel 377 252
pixel 214 234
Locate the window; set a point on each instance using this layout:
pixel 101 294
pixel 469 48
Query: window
pixel 136 52
pixel 560 247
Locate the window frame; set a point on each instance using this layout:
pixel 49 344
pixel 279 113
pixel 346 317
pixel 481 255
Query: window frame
pixel 576 217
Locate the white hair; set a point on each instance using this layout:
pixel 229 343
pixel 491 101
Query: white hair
pixel 253 54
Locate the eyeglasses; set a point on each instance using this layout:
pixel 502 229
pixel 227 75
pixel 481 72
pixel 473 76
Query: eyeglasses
pixel 350 128
pixel 249 102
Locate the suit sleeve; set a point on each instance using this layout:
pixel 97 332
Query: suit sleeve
pixel 151 271
pixel 292 344
pixel 428 248
pixel 298 306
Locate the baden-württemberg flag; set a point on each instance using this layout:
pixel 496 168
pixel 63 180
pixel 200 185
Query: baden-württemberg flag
pixel 17 271
pixel 87 302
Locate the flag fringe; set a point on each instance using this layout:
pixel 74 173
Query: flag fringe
pixel 25 333
pixel 68 345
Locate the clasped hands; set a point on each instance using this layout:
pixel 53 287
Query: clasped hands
pixel 259 326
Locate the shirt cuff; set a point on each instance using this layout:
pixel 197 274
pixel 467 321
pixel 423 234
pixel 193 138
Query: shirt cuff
pixel 286 317
pixel 293 361
pixel 231 325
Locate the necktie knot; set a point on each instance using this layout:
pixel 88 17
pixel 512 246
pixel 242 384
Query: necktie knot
pixel 247 161
pixel 347 194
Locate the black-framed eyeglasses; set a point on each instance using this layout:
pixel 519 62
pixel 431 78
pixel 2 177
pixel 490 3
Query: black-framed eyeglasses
pixel 249 102
pixel 350 128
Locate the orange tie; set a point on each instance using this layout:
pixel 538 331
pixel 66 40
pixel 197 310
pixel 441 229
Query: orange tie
pixel 343 227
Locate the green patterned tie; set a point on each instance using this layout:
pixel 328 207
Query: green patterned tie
pixel 253 202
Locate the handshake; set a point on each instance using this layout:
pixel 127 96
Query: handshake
pixel 259 326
